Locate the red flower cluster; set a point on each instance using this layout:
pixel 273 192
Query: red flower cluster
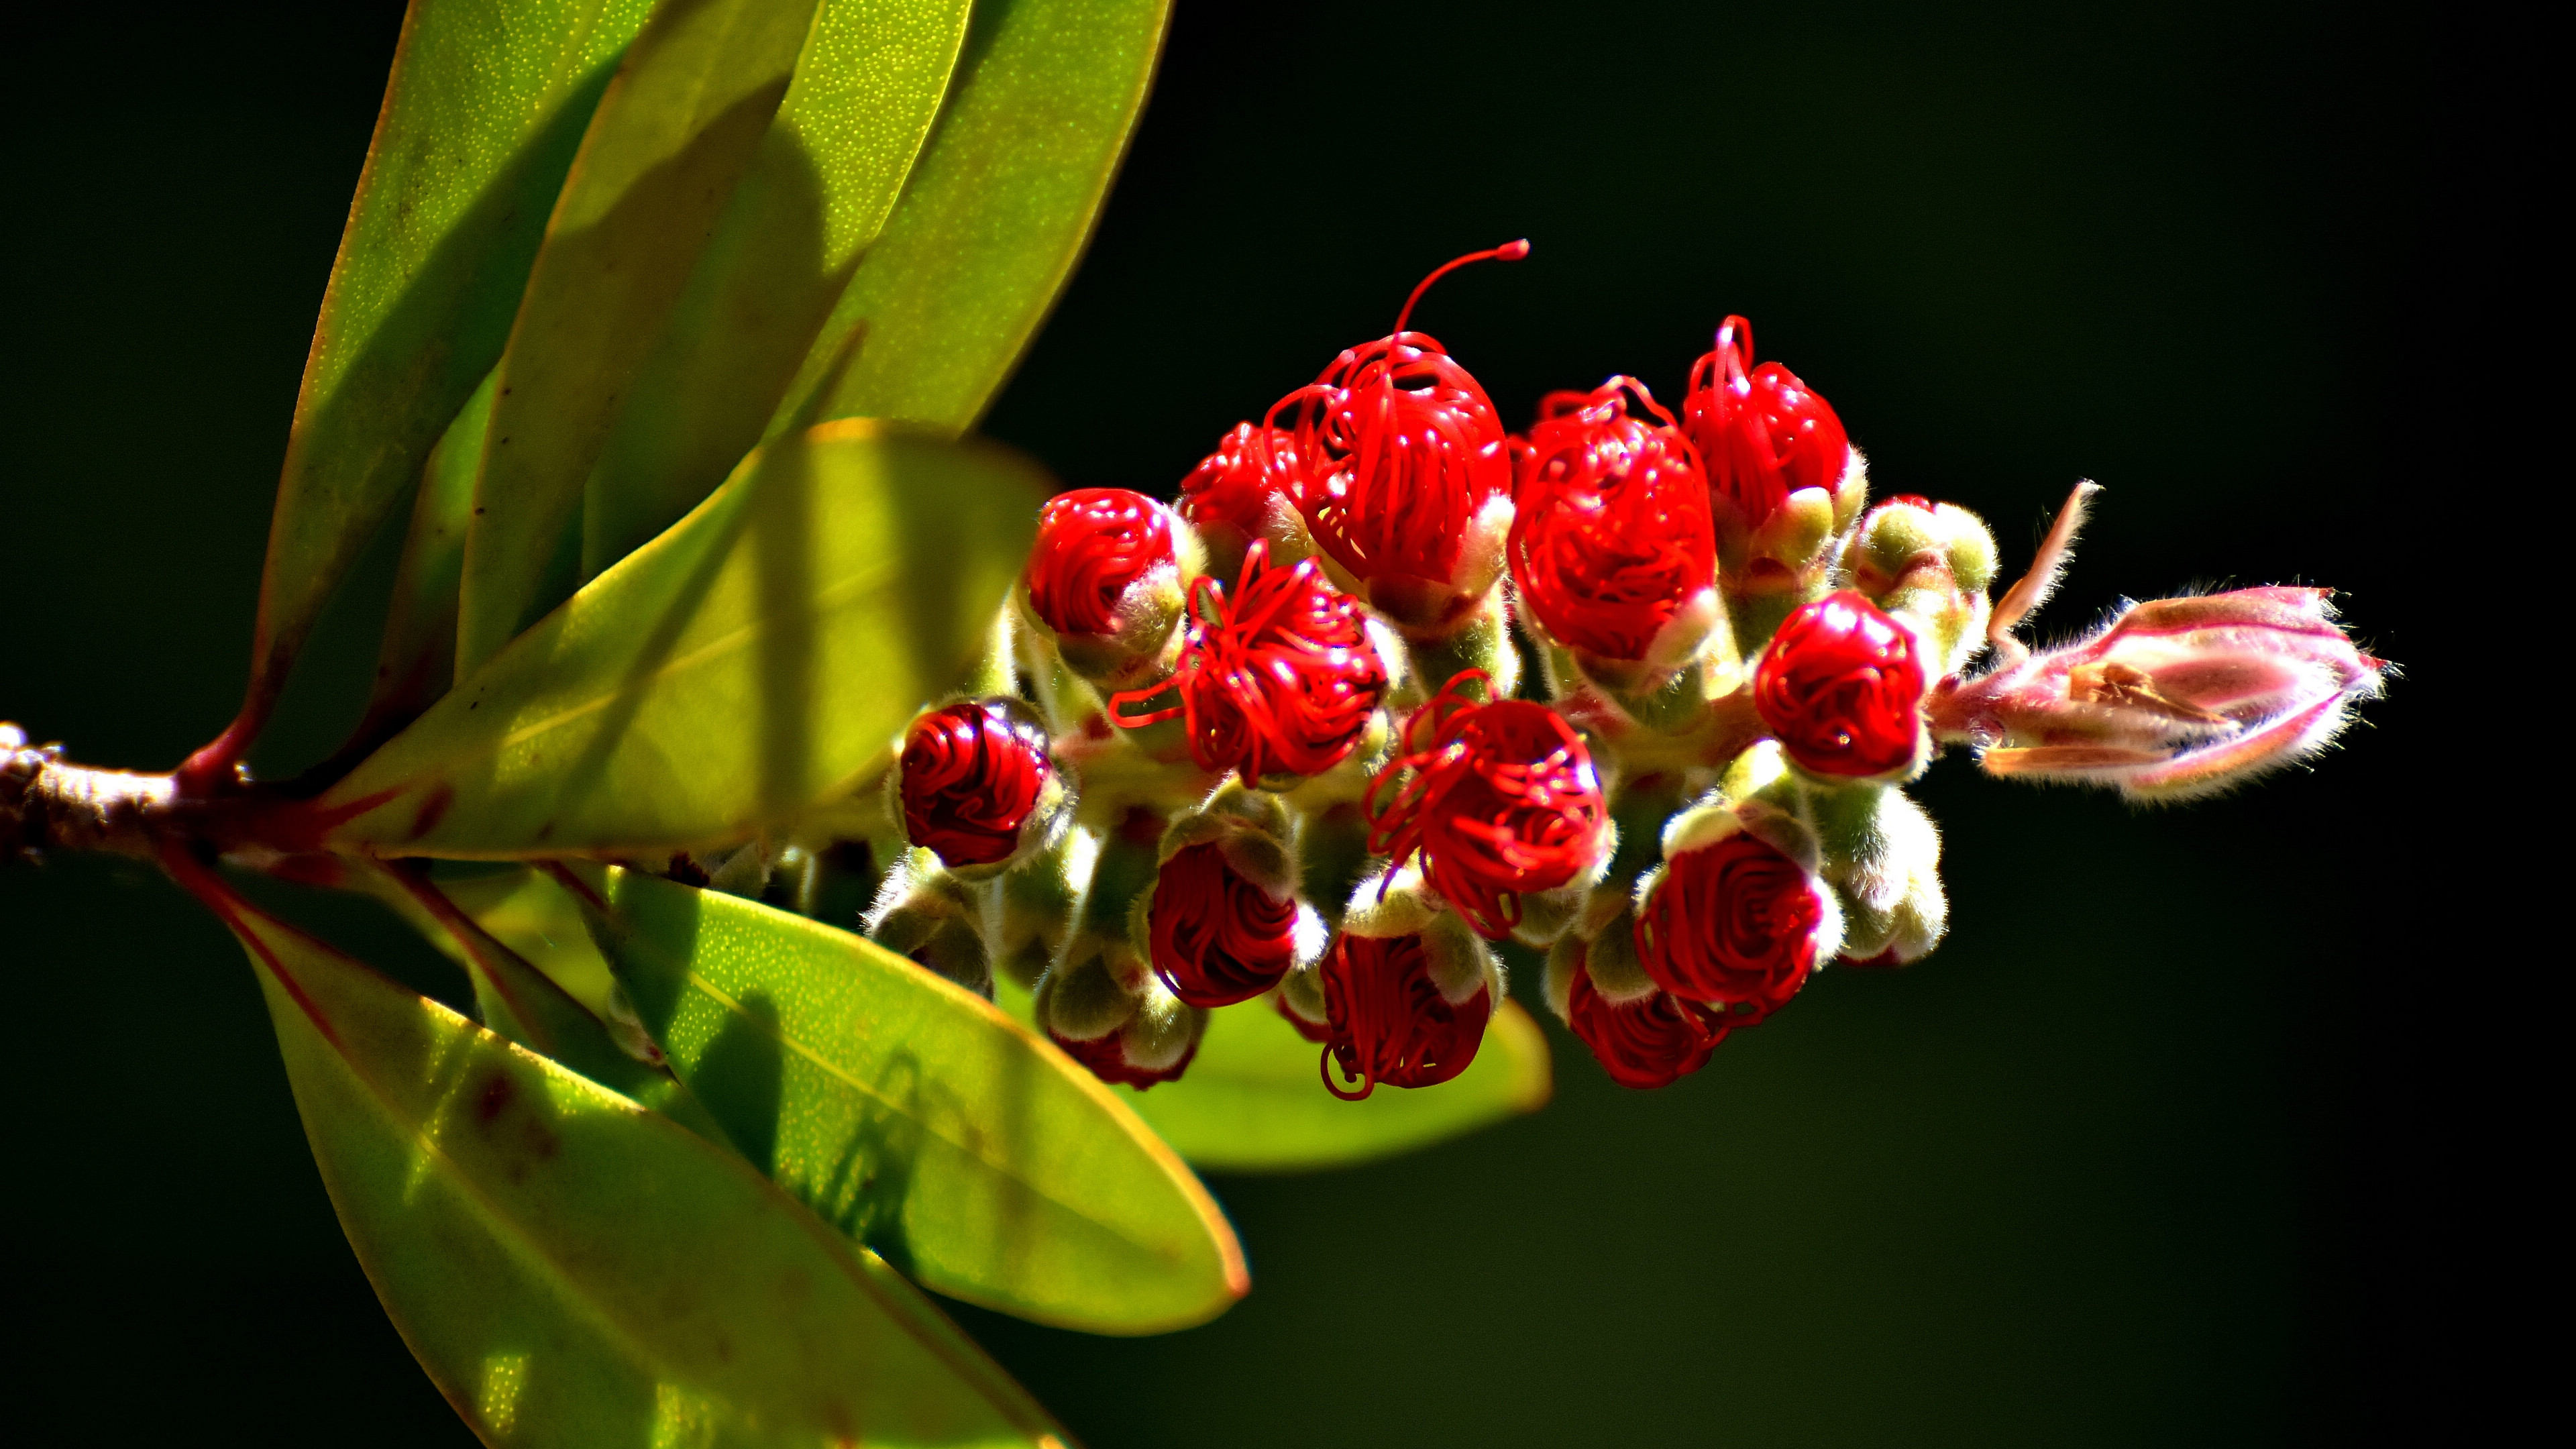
pixel 1218 938
pixel 1092 544
pixel 1842 689
pixel 1388 1021
pixel 1761 433
pixel 1498 799
pixel 1611 535
pixel 1278 680
pixel 1229 496
pixel 1400 449
pixel 1732 924
pixel 971 777
pixel 1652 1041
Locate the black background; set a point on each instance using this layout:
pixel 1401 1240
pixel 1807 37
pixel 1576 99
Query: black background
pixel 2178 1140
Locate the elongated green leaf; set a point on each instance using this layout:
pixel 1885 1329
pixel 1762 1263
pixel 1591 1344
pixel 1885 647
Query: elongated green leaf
pixel 1253 1099
pixel 572 1269
pixel 482 115
pixel 418 654
pixel 755 660
pixel 670 140
pixel 829 169
pixel 995 215
pixel 919 1118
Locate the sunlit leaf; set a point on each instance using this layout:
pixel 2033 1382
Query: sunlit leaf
pixel 418 655
pixel 485 107
pixel 1253 1099
pixel 755 660
pixel 818 191
pixel 572 1269
pixel 671 138
pixel 998 208
pixel 919 1118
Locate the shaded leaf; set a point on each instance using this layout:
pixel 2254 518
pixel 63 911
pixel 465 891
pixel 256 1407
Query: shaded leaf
pixel 919 1118
pixel 417 657
pixel 572 1269
pixel 993 219
pixel 482 115
pixel 755 660
pixel 673 135
pixel 817 193
pixel 1253 1099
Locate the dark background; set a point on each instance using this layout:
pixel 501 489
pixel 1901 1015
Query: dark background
pixel 2180 1138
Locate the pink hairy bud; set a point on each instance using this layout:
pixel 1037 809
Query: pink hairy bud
pixel 2174 698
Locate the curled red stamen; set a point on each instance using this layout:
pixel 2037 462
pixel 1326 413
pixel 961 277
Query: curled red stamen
pixel 1278 680
pixel 1842 688
pixel 1106 1056
pixel 1761 433
pixel 1650 1042
pixel 1498 799
pixel 1388 1022
pixel 971 777
pixel 1612 534
pixel 1218 938
pixel 1732 924
pixel 1092 544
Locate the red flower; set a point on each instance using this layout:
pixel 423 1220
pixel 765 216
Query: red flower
pixel 1762 435
pixel 1092 544
pixel 1388 1021
pixel 1217 937
pixel 972 775
pixel 1230 495
pixel 1733 924
pixel 1652 1041
pixel 1401 450
pixel 1106 1056
pixel 1612 532
pixel 1499 799
pixel 1842 689
pixel 1279 680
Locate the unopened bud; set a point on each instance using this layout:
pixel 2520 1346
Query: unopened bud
pixel 1929 565
pixel 1224 924
pixel 975 785
pixel 926 914
pixel 2174 698
pixel 1105 583
pixel 1112 1016
pixel 1643 1036
pixel 1408 990
pixel 1737 916
pixel 1887 878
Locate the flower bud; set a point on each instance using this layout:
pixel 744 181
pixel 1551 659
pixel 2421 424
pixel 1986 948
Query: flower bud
pixel 2174 698
pixel 1611 547
pixel 973 785
pixel 1886 876
pixel 1225 924
pixel 1034 907
pixel 1842 690
pixel 1408 990
pixel 1783 476
pixel 1407 482
pixel 1495 800
pixel 1644 1040
pixel 1275 683
pixel 927 915
pixel 1301 1002
pixel 1927 564
pixel 1731 919
pixel 1248 489
pixel 1133 1035
pixel 1105 579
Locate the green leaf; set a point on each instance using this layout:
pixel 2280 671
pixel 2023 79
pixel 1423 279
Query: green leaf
pixel 995 215
pixel 1253 1099
pixel 754 661
pixel 919 1118
pixel 671 139
pixel 418 655
pixel 573 1269
pixel 818 191
pixel 482 115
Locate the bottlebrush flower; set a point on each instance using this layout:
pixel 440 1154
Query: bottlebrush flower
pixel 1842 690
pixel 1276 682
pixel 1224 924
pixel 1643 1042
pixel 1611 544
pixel 1104 578
pixel 1247 489
pixel 1407 989
pixel 975 785
pixel 1733 921
pixel 1497 800
pixel 1763 435
pixel 2174 698
pixel 1407 480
